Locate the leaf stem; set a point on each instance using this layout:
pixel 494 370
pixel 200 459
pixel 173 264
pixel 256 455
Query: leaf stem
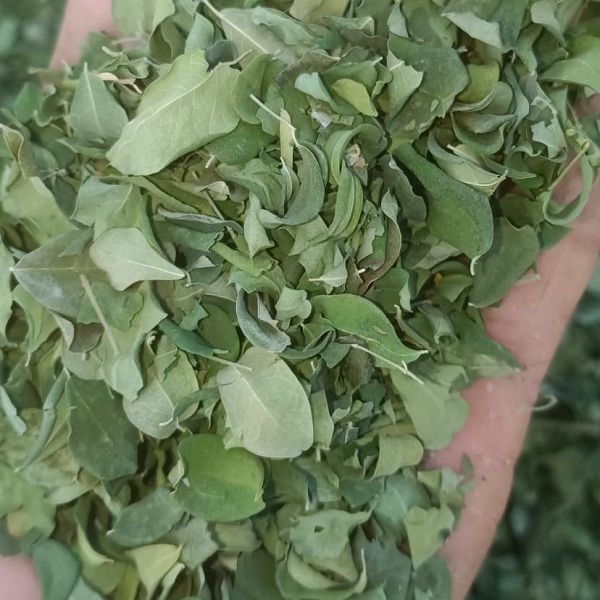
pixel 401 367
pixel 571 164
pixel 275 116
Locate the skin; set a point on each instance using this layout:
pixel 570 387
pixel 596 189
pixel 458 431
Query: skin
pixel 530 322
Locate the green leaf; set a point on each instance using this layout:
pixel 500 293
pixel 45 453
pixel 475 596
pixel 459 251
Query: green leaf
pixel 405 81
pixel 57 569
pixel 28 102
pixel 433 579
pixel 356 94
pixel 145 521
pixel 262 333
pixel 119 308
pixel 396 452
pixel 17 148
pixel 402 493
pixel 201 35
pixel 387 567
pixel 293 303
pixel 315 10
pixel 154 411
pixel 544 13
pixel 11 413
pixel 264 31
pixel 513 251
pixel 561 214
pixel 427 530
pixel 255 577
pixel 189 341
pixel 436 413
pixel 254 231
pixel 95 115
pixel 30 202
pixel 482 80
pixel 118 353
pixel 581 66
pixel 128 257
pixel 6 264
pixel 220 484
pixel 308 201
pixel 324 534
pixel 196 542
pixel 16 494
pixel 298 579
pixel 493 22
pixel 153 563
pixel 458 214
pixel 139 17
pixel 360 317
pixel 52 273
pixel 267 408
pixel 444 77
pixel 102 439
pixel 40 325
pixel 165 127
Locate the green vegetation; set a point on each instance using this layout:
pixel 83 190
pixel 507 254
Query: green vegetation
pixel 27 32
pixel 548 548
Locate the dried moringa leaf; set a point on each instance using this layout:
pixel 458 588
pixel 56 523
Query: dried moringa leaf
pixel 242 253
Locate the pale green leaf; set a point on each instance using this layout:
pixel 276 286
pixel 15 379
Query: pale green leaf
pixel 324 534
pixel 11 413
pixel 6 264
pixel 427 529
pixel 153 563
pixel 31 203
pixel 127 257
pixel 267 408
pixel 95 114
pixel 437 413
pixel 52 273
pixel 167 126
pixel 396 452
pixel 154 410
pixel 356 94
pixel 141 17
pixel 17 494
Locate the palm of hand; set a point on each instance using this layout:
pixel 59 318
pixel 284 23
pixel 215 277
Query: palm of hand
pixel 529 322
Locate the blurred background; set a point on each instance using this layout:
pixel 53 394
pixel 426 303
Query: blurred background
pixel 548 547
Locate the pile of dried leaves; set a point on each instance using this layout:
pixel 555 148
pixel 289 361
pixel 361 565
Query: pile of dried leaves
pixel 243 256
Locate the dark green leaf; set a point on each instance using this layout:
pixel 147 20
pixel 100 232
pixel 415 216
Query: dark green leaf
pixel 102 439
pixel 220 484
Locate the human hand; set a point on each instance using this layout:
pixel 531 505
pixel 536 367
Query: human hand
pixel 530 322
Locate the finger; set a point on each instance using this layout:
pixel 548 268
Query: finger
pixel 530 322
pixel 81 17
pixel 18 578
